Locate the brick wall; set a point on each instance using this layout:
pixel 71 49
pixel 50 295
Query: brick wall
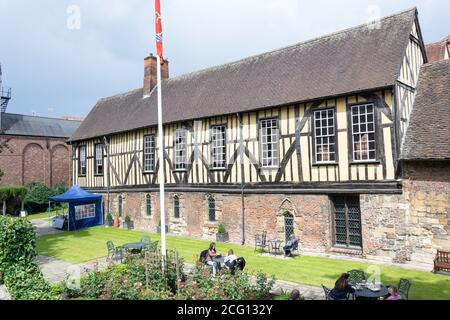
pixel 396 228
pixel 33 159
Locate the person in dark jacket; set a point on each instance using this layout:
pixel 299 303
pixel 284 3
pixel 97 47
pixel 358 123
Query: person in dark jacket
pixel 342 288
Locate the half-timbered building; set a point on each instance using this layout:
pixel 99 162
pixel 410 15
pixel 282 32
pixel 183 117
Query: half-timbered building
pixel 305 139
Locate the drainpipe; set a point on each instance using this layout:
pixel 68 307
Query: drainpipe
pixel 241 155
pixel 108 178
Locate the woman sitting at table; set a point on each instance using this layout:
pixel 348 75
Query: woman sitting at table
pixel 210 258
pixel 341 288
pixel 289 247
pixel 393 294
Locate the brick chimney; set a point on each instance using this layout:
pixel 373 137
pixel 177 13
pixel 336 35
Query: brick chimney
pixel 150 76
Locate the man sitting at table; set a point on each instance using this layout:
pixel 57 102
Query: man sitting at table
pixel 289 247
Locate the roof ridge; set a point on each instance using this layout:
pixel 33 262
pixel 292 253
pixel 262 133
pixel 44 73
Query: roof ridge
pixel 41 117
pixel 120 95
pixel 292 46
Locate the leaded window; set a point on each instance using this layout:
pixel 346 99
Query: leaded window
pixel 288 226
pixel 119 205
pixel 99 159
pixel 269 143
pixel 149 153
pixel 325 136
pixel 218 147
pixel 211 209
pixel 82 160
pixel 180 149
pixel 148 205
pixel 363 132
pixel 176 207
pixel 347 221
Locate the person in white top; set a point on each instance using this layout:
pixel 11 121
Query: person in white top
pixel 230 260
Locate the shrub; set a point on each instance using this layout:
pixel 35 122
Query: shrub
pixel 18 270
pixel 38 194
pixel 109 217
pixel 221 229
pixel 201 286
pixel 127 219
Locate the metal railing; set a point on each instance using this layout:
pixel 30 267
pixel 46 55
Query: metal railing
pixel 5 93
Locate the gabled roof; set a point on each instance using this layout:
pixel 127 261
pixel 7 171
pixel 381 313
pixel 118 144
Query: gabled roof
pixel 436 51
pixel 357 59
pixel 23 125
pixel 428 134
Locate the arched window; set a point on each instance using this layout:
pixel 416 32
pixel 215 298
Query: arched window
pixel 148 205
pixel 119 205
pixel 288 225
pixel 176 207
pixel 211 209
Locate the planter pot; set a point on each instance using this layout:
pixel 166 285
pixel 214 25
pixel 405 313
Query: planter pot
pixel 128 225
pixel 158 229
pixel 222 237
pixel 116 222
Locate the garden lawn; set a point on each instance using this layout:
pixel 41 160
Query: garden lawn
pixel 89 244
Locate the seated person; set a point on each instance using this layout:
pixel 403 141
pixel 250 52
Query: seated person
pixel 295 295
pixel 210 258
pixel 230 260
pixel 393 294
pixel 293 241
pixel 341 288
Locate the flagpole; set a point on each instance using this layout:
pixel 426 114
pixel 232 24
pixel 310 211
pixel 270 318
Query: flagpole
pixel 161 161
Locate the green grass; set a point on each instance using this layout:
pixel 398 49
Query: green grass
pixel 89 244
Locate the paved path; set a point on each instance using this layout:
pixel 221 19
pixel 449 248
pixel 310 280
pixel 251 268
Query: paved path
pixel 44 227
pixel 4 293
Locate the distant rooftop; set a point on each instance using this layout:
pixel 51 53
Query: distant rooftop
pixel 25 125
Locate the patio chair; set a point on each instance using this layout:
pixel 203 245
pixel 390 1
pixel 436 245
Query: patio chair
pixel 146 239
pixel 356 276
pixel 114 253
pixel 327 293
pixel 261 241
pixel 403 288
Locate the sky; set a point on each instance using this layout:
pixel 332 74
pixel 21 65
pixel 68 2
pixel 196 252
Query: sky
pixel 61 56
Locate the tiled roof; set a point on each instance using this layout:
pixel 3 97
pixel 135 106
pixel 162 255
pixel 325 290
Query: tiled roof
pixel 24 125
pixel 357 59
pixel 428 134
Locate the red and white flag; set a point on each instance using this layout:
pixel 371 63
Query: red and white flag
pixel 159 34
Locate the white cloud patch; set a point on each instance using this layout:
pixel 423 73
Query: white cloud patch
pixel 48 64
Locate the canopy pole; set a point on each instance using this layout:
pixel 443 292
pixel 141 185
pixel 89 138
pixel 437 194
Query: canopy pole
pixel 161 163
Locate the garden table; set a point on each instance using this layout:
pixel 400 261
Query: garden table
pixel 275 246
pixel 366 293
pixel 135 245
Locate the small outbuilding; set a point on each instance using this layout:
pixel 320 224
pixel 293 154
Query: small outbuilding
pixel 85 209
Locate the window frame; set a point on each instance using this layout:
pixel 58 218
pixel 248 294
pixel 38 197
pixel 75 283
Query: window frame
pixel 175 150
pixel 261 143
pixel 120 206
pixel 102 159
pixel 144 154
pixel 225 141
pixel 314 142
pixel 176 207
pixel 148 203
pixel 375 132
pixel 85 214
pixel 348 244
pixel 80 167
pixel 211 199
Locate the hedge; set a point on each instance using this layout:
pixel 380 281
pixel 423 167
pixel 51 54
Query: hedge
pixel 18 269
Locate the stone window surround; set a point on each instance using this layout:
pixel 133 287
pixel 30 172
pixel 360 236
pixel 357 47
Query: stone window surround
pixel 144 206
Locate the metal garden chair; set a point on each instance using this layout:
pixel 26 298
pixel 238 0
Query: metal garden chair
pixel 403 288
pixel 356 276
pixel 327 293
pixel 261 241
pixel 146 240
pixel 114 253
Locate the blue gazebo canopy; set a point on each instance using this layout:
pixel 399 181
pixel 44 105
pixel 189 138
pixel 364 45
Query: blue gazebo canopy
pixel 76 194
pixel 85 209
